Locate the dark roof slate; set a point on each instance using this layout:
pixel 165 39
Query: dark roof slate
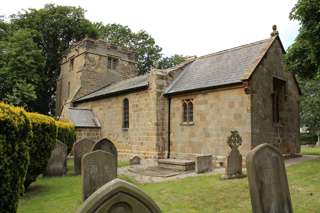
pixel 83 117
pixel 122 86
pixel 221 68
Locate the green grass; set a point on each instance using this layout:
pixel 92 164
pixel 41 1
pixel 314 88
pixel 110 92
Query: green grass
pixel 193 194
pixel 310 150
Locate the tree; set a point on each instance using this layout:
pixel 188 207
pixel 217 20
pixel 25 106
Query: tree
pixel 303 58
pixel 148 53
pixel 172 61
pixel 304 55
pixel 56 27
pixel 21 61
pixel 310 114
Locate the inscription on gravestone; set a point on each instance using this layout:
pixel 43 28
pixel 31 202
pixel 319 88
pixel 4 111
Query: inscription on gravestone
pixel 119 196
pixel 268 181
pixel 57 164
pixel 98 168
pixel 79 149
pixel 107 146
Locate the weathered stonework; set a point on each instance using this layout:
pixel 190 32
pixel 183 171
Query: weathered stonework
pixel 89 133
pixel 215 114
pixel 284 135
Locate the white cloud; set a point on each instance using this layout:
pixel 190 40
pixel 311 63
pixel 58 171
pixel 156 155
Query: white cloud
pixel 187 27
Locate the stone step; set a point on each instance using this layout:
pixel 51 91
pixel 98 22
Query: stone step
pixel 177 164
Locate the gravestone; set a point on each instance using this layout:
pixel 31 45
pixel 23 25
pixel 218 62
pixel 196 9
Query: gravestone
pixel 136 160
pixel 268 181
pixel 57 164
pixel 234 159
pixel 107 146
pixel 79 149
pixel 119 196
pixel 203 163
pixel 98 168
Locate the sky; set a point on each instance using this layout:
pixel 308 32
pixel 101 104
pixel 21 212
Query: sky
pixel 186 27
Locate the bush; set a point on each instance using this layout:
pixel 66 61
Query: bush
pixel 308 138
pixel 66 133
pixel 40 146
pixel 15 131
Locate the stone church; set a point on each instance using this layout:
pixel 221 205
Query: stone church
pixel 183 111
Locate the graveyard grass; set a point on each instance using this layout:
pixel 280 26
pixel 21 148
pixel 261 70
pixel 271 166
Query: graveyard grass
pixel 193 194
pixel 310 150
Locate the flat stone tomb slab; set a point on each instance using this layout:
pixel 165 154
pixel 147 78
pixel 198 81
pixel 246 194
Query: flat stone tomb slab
pixel 156 171
pixel 177 164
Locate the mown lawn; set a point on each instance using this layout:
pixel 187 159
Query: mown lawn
pixel 193 194
pixel 310 151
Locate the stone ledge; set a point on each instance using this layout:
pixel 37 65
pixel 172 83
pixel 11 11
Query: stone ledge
pixel 177 164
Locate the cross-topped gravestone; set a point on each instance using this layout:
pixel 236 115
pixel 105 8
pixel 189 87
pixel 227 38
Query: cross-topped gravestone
pixel 119 196
pixel 107 146
pixel 268 181
pixel 98 168
pixel 57 164
pixel 79 149
pixel 234 159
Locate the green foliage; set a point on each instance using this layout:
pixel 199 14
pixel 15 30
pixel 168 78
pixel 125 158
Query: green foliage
pixel 55 27
pixel 21 61
pixel 15 130
pixel 168 62
pixel 310 101
pixel 304 55
pixel 40 146
pixel 66 133
pixel 308 138
pixel 148 52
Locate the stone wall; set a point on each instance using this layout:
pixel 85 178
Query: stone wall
pixel 90 71
pixel 90 133
pixel 215 114
pixel 285 134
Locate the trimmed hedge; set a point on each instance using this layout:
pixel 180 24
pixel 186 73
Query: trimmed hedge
pixel 15 131
pixel 40 146
pixel 66 133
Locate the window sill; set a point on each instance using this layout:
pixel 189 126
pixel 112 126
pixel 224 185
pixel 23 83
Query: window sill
pixel 187 124
pixel 125 129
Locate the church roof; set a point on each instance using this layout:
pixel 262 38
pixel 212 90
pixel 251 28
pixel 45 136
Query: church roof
pixel 83 117
pixel 226 67
pixel 132 84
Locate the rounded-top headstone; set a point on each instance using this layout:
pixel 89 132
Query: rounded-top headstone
pixel 119 196
pixel 80 148
pixel 107 146
pixel 268 181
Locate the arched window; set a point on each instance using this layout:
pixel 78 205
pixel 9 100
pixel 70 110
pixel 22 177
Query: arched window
pixel 187 106
pixel 125 116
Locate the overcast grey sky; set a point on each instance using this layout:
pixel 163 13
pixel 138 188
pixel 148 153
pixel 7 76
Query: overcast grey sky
pixel 186 27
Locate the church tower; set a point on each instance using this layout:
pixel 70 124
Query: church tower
pixel 90 65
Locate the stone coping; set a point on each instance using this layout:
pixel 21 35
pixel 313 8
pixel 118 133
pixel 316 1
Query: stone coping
pixel 176 162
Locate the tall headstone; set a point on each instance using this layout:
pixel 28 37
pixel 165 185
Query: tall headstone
pixel 203 163
pixel 107 146
pixel 98 168
pixel 268 181
pixel 119 196
pixel 79 149
pixel 234 159
pixel 57 164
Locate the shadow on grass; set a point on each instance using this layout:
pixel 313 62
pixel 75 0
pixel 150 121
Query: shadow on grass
pixel 35 189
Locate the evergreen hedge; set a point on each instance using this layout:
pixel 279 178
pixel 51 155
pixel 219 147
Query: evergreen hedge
pixel 40 146
pixel 15 131
pixel 66 133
